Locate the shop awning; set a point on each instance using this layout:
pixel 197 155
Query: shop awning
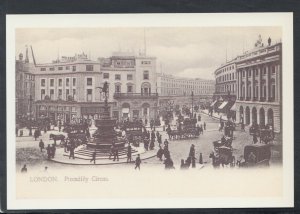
pixel 223 105
pixel 125 110
pixel 233 108
pixel 214 102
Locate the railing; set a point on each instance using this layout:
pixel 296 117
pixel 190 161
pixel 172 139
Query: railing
pixel 135 95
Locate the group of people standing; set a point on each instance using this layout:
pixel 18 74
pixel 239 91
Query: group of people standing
pixel 149 139
pixel 50 149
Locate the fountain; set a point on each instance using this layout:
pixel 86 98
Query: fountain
pixel 105 136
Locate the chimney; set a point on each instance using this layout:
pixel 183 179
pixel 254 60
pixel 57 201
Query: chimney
pixel 26 57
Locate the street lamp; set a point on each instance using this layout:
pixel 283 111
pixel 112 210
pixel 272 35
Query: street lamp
pixel 30 121
pixel 192 104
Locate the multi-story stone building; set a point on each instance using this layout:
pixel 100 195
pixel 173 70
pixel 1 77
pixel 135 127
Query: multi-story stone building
pixel 226 80
pixel 225 93
pixel 66 88
pixel 24 87
pixel 180 90
pixel 259 88
pixel 132 84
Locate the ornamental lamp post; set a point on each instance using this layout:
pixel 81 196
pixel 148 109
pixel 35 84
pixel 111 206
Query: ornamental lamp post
pixel 30 116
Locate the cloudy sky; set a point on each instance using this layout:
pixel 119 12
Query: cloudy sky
pixel 186 52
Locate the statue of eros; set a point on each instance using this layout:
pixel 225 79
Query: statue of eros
pixel 104 89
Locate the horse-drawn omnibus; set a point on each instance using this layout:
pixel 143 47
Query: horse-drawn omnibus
pixel 185 129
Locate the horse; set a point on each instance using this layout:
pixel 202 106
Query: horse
pixel 56 137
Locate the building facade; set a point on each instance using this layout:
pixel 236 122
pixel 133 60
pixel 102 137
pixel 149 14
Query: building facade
pixel 226 81
pixel 25 84
pixel 132 85
pixel 169 85
pixel 66 89
pixel 226 87
pixel 259 88
pixel 179 90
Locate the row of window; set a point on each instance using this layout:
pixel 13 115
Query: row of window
pixel 228 68
pixel 255 71
pixel 129 76
pixel 187 82
pixel 226 77
pixel 256 91
pixel 184 92
pixel 117 76
pixel 59 94
pixel 60 82
pixel 188 86
pixel 60 68
pixel 226 88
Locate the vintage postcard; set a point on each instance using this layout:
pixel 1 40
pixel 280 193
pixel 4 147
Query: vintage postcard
pixel 150 111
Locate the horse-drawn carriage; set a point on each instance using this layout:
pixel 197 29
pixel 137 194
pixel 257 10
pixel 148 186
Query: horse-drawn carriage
pixel 229 128
pixel 225 141
pixel 185 129
pixel 78 132
pixel 256 155
pixel 134 132
pixel 265 133
pixel 223 152
pixel 223 157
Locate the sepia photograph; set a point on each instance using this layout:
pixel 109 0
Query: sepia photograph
pixel 150 111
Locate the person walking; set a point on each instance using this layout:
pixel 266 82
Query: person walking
pixel 157 135
pixel 94 157
pixel 53 150
pixel 48 152
pixel 192 151
pixel 129 154
pixel 160 153
pixel 72 154
pixel 116 154
pixel 112 149
pixel 159 140
pixel 153 135
pixel 36 134
pixel 138 162
pixel 41 145
pixel 151 147
pixel 201 129
pixel 204 126
pixel 166 142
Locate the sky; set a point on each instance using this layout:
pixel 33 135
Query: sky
pixel 185 51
